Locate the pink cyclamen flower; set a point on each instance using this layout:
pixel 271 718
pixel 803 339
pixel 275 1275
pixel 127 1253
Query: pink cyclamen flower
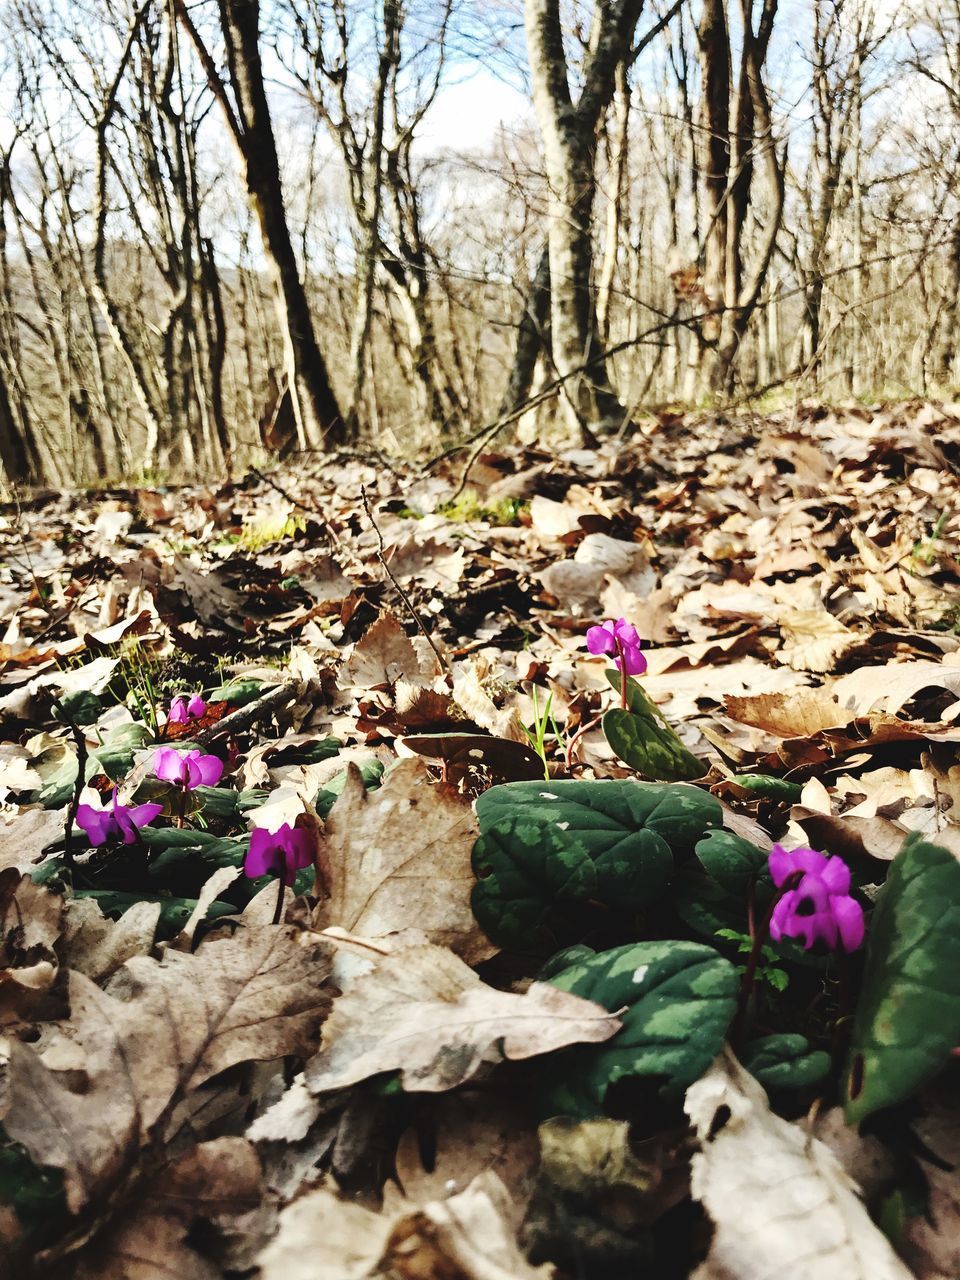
pixel 603 639
pixel 817 907
pixel 115 821
pixel 282 853
pixel 188 769
pixel 183 711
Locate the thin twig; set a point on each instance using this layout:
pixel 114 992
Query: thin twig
pixel 441 663
pixel 246 716
pixel 78 785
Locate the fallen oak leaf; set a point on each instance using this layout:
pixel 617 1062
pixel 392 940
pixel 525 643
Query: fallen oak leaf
pixel 254 996
pixel 780 1202
pixel 469 1237
pixel 425 1013
pixel 399 857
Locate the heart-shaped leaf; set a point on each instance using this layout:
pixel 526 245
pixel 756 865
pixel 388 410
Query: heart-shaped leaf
pixel 545 847
pixel 785 1062
pixel 642 738
pixel 675 1000
pixel 908 1016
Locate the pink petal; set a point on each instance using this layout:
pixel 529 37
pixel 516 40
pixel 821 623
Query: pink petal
pixel 600 640
pixel 836 876
pixel 627 634
pixel 178 711
pixel 169 765
pixel 633 661
pixel 141 815
pixel 98 824
pixel 263 857
pixel 784 863
pixel 196 707
pixel 848 914
pixel 210 769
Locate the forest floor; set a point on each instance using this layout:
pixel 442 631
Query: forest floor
pixel 486 1038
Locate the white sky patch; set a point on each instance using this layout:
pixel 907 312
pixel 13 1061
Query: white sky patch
pixel 467 115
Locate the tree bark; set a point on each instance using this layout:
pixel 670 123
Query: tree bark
pixel 569 133
pixel 319 419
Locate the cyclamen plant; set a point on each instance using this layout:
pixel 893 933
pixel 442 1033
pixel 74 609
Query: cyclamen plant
pixel 183 710
pixel 619 637
pixel 281 853
pixel 115 821
pixel 187 769
pixel 814 906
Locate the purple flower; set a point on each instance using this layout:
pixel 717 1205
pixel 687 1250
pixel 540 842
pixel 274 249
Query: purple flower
pixel 282 853
pixel 817 906
pixel 603 639
pixel 188 769
pixel 182 712
pixel 116 822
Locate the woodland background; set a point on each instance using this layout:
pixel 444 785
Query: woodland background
pixel 423 217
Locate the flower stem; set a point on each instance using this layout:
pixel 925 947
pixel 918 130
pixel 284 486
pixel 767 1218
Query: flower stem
pixel 623 673
pixel 281 887
pixel 760 935
pixel 584 728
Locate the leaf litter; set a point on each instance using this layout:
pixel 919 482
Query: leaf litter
pixel 419 1057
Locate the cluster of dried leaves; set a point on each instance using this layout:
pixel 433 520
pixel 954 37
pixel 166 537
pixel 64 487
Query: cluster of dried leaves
pixel 313 1098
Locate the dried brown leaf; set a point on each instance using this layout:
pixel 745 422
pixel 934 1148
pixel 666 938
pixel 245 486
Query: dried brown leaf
pixel 399 857
pixel 254 996
pixel 424 1013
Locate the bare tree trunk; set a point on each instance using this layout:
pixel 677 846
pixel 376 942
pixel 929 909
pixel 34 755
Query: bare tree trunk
pixel 319 419
pixel 569 133
pixel 532 338
pixel 18 464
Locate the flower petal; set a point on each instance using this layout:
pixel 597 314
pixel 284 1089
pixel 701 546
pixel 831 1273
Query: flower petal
pixel 263 857
pixel 99 824
pixel 600 640
pixel 169 765
pixel 848 914
pixel 836 876
pixel 196 707
pixel 141 815
pixel 627 634
pixel 210 769
pixel 784 863
pixel 178 711
pixel 634 662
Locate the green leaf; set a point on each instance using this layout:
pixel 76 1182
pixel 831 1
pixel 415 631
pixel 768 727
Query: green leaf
pixel 643 740
pixel 114 756
pixel 547 847
pixel 712 894
pixel 760 787
pixel 676 1001
pixel 371 771
pixel 81 707
pixel 237 692
pixel 908 1016
pixel 785 1062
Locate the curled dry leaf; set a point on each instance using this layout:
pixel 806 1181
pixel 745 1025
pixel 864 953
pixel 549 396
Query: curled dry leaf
pixel 399 857
pixel 780 1202
pixel 469 1237
pixel 424 1013
pixel 164 1029
pixel 383 656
